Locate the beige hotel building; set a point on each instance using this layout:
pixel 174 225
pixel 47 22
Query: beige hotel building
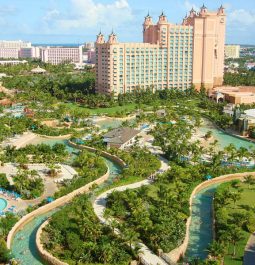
pixel 171 56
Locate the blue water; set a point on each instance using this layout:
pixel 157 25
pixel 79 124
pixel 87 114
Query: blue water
pixel 3 204
pixel 225 139
pixel 23 245
pixel 201 228
pixel 51 142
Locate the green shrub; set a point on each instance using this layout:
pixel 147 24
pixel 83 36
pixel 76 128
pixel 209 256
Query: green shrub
pixel 250 224
pixel 4 183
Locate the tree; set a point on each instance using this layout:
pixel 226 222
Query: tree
pixel 249 180
pixel 4 182
pixel 208 135
pixel 216 250
pixel 4 252
pixel 235 236
pixel 235 196
pixel 129 235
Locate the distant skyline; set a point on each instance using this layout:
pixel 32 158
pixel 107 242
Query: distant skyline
pixel 78 21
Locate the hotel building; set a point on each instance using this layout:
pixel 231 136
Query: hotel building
pixel 57 55
pixel 232 51
pixel 170 57
pixel 9 53
pixel 13 44
pixel 11 49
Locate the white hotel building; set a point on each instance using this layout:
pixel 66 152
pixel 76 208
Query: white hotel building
pixel 53 55
pixel 11 49
pixel 57 55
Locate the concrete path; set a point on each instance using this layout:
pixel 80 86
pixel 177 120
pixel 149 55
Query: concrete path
pixel 249 253
pixel 99 205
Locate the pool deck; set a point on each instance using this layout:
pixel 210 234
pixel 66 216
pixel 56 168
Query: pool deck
pixel 50 184
pixel 20 140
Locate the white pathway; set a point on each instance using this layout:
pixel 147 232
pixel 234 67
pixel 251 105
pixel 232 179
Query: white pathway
pixel 146 255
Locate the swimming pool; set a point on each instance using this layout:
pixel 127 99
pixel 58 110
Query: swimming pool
pixel 3 204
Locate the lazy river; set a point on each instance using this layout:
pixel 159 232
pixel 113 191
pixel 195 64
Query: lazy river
pixel 23 245
pixel 201 229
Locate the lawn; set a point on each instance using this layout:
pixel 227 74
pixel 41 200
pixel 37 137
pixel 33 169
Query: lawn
pixel 247 198
pixel 107 111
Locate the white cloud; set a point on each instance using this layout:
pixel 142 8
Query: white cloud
pixel 51 14
pixel 85 14
pixel 242 17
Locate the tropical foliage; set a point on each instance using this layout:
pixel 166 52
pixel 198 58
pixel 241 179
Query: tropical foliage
pixel 41 153
pixel 75 236
pixel 28 184
pixel 234 213
pixel 89 167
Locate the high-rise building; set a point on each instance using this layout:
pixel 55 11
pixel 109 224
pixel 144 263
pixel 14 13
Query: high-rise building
pixel 11 49
pixel 89 45
pixel 13 44
pixel 171 56
pixel 232 51
pixel 9 53
pixel 57 55
pixel 33 52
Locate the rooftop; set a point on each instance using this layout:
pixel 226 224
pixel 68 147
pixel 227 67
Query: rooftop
pixel 38 70
pixel 120 135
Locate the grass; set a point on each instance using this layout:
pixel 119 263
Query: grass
pixel 247 198
pixel 108 111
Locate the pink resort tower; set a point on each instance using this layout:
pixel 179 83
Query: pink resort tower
pixel 171 56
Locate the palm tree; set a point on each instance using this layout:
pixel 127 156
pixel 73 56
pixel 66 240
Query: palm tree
pixel 216 250
pixel 235 196
pixel 235 236
pixel 130 236
pixel 249 180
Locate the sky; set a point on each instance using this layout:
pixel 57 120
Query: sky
pixel 78 21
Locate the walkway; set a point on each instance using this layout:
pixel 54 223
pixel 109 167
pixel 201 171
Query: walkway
pixel 99 205
pixel 50 184
pixel 249 253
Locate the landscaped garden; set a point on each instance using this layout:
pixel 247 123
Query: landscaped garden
pixel 156 214
pixel 89 167
pixel 41 153
pixel 76 237
pixel 235 220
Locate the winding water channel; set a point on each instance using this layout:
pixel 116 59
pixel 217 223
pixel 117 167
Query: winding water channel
pixel 201 230
pixel 23 245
